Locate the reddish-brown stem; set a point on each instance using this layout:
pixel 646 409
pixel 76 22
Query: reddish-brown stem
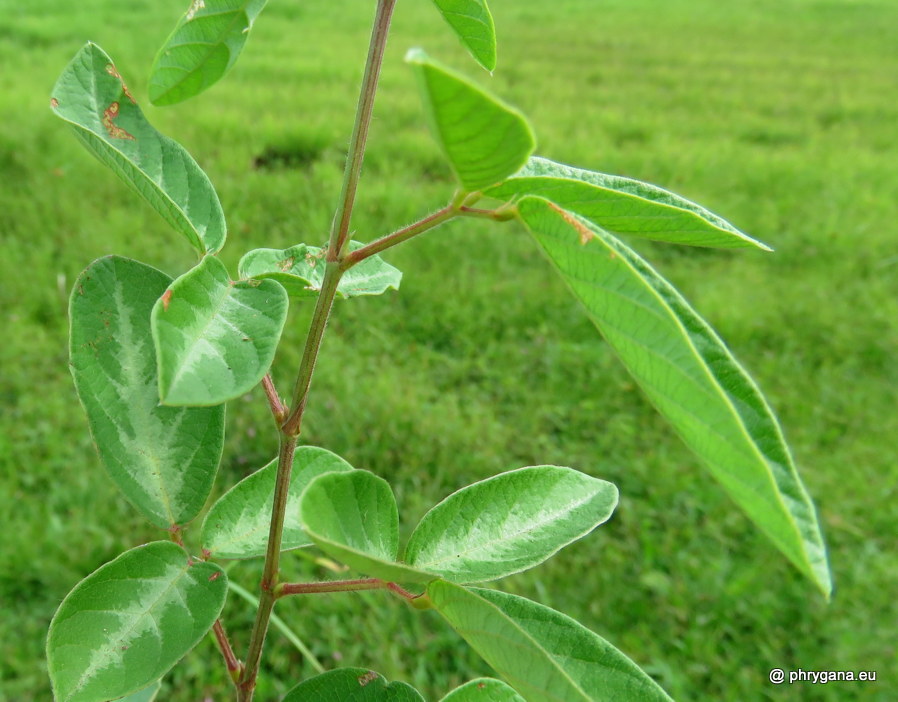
pixel 285 589
pixel 397 237
pixel 290 428
pixel 234 665
pixel 278 408
pixel 500 214
pixel 247 681
pixel 175 534
pixel 402 592
pixel 376 48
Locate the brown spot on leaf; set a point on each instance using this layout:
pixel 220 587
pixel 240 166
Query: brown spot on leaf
pixel 109 114
pixel 287 263
pixel 54 103
pixel 110 69
pixel 166 298
pixel 585 232
pixel 367 678
pixel 480 686
pixel 214 576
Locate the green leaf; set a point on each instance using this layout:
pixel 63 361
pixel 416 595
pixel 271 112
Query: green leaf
pixel 543 653
pixel 148 694
pixel 483 690
pixel 508 523
pixel 472 22
pixel 237 524
pixel 91 96
pixel 624 205
pixel 202 48
pixel 300 269
pixel 126 624
pixel 215 338
pixel 353 517
pixel 352 685
pixel 163 459
pixel 690 376
pixel 484 139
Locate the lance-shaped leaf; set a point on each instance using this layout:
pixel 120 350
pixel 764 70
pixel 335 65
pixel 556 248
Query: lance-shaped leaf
pixel 237 524
pixel 484 139
pixel 300 269
pixel 352 685
pixel 508 523
pixel 91 96
pixel 624 205
pixel 472 22
pixel 215 338
pixel 483 690
pixel 690 376
pixel 353 518
pixel 163 459
pixel 129 622
pixel 202 48
pixel 544 654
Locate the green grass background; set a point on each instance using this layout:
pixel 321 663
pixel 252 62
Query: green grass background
pixel 781 115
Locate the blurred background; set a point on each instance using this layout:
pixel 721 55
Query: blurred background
pixel 780 115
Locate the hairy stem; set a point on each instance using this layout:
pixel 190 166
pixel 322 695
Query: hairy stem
pixel 322 312
pixel 397 237
pixel 341 586
pixel 270 572
pixel 274 400
pixel 234 666
pixel 293 423
pixel 340 230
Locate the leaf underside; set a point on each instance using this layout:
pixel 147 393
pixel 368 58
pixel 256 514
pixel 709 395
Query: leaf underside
pixel 509 523
pixel 204 45
pixel 300 269
pixel 353 518
pixel 472 22
pixel 544 654
pixel 483 139
pixel 164 459
pixel 91 96
pixel 237 524
pixel 623 205
pixel 215 338
pixel 128 623
pixel 690 376
pixel 352 685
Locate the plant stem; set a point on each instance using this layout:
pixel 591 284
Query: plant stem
pixel 270 572
pixel 500 214
pixel 285 589
pixel 292 425
pixel 278 623
pixel 340 230
pixel 332 275
pixel 434 220
pixel 234 666
pixel 274 400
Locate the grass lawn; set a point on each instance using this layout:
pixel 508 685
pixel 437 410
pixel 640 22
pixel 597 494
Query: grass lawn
pixel 778 114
